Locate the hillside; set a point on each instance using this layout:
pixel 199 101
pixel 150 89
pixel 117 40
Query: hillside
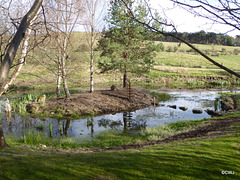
pixel 175 67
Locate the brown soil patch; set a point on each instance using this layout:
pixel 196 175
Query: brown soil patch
pixel 99 102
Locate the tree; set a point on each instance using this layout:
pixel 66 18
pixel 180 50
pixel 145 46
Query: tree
pixel 149 26
pixel 237 40
pixel 15 42
pixel 126 45
pixel 62 20
pixel 92 24
pixel 11 52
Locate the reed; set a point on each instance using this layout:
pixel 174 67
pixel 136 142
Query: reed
pixel 50 129
pixel 32 138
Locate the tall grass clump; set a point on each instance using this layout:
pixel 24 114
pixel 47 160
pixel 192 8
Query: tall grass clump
pixel 160 96
pixel 32 138
pixel 165 131
pixel 195 83
pixel 157 133
pixel 220 83
pixel 19 104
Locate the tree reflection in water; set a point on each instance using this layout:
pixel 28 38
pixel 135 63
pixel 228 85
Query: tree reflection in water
pixel 128 124
pixel 63 126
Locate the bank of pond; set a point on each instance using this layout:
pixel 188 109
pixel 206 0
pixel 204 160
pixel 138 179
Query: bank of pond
pixel 151 123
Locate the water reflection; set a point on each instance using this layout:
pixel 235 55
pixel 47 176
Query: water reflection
pixel 127 122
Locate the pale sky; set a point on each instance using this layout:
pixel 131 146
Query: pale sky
pixel 186 22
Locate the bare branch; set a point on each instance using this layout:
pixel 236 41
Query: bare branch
pixel 223 12
pixel 178 38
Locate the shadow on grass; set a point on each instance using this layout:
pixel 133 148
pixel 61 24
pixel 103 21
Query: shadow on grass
pixel 189 159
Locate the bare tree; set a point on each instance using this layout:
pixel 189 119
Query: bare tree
pixel 15 42
pixel 62 21
pixel 93 24
pixel 20 63
pixel 155 19
pixel 11 53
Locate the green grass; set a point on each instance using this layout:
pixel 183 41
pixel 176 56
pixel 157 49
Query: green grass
pixel 188 159
pixel 160 96
pixel 200 46
pixel 185 159
pixel 33 75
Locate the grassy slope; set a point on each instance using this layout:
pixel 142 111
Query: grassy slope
pixel 188 159
pixel 34 74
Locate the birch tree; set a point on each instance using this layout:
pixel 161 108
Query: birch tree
pixel 11 53
pixel 15 42
pixel 93 25
pixel 63 19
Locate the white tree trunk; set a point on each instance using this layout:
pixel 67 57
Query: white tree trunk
pixel 91 61
pixel 14 44
pixel 59 78
pixel 17 70
pixel 63 59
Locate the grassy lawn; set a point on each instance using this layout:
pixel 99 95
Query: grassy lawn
pixel 188 159
pixel 204 158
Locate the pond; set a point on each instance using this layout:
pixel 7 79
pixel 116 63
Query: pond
pixel 129 122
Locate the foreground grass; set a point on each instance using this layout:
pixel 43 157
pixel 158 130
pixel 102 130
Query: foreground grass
pixel 185 159
pixel 188 159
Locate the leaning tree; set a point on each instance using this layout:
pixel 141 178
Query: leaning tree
pixel 15 42
pixel 11 51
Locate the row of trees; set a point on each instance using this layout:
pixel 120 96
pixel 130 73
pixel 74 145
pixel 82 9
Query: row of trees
pixel 52 22
pixel 201 37
pixel 126 45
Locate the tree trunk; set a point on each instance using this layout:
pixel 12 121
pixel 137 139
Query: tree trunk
pixel 91 63
pixel 3 143
pixel 65 87
pixel 14 44
pixel 64 58
pixel 59 78
pixel 6 84
pixel 125 79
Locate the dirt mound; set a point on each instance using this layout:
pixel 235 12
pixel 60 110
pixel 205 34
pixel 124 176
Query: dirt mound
pixel 98 102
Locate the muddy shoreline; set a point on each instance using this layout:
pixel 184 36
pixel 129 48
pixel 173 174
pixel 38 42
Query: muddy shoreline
pixel 96 103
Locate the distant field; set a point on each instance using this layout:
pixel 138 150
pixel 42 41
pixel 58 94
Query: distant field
pixel 201 46
pixel 169 66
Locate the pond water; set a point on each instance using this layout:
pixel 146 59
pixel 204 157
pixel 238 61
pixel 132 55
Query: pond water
pixel 129 122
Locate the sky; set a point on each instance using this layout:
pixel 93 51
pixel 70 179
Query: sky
pixel 187 22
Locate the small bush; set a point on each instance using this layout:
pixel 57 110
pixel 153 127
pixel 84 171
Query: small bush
pixel 169 49
pixel 84 48
pixel 236 51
